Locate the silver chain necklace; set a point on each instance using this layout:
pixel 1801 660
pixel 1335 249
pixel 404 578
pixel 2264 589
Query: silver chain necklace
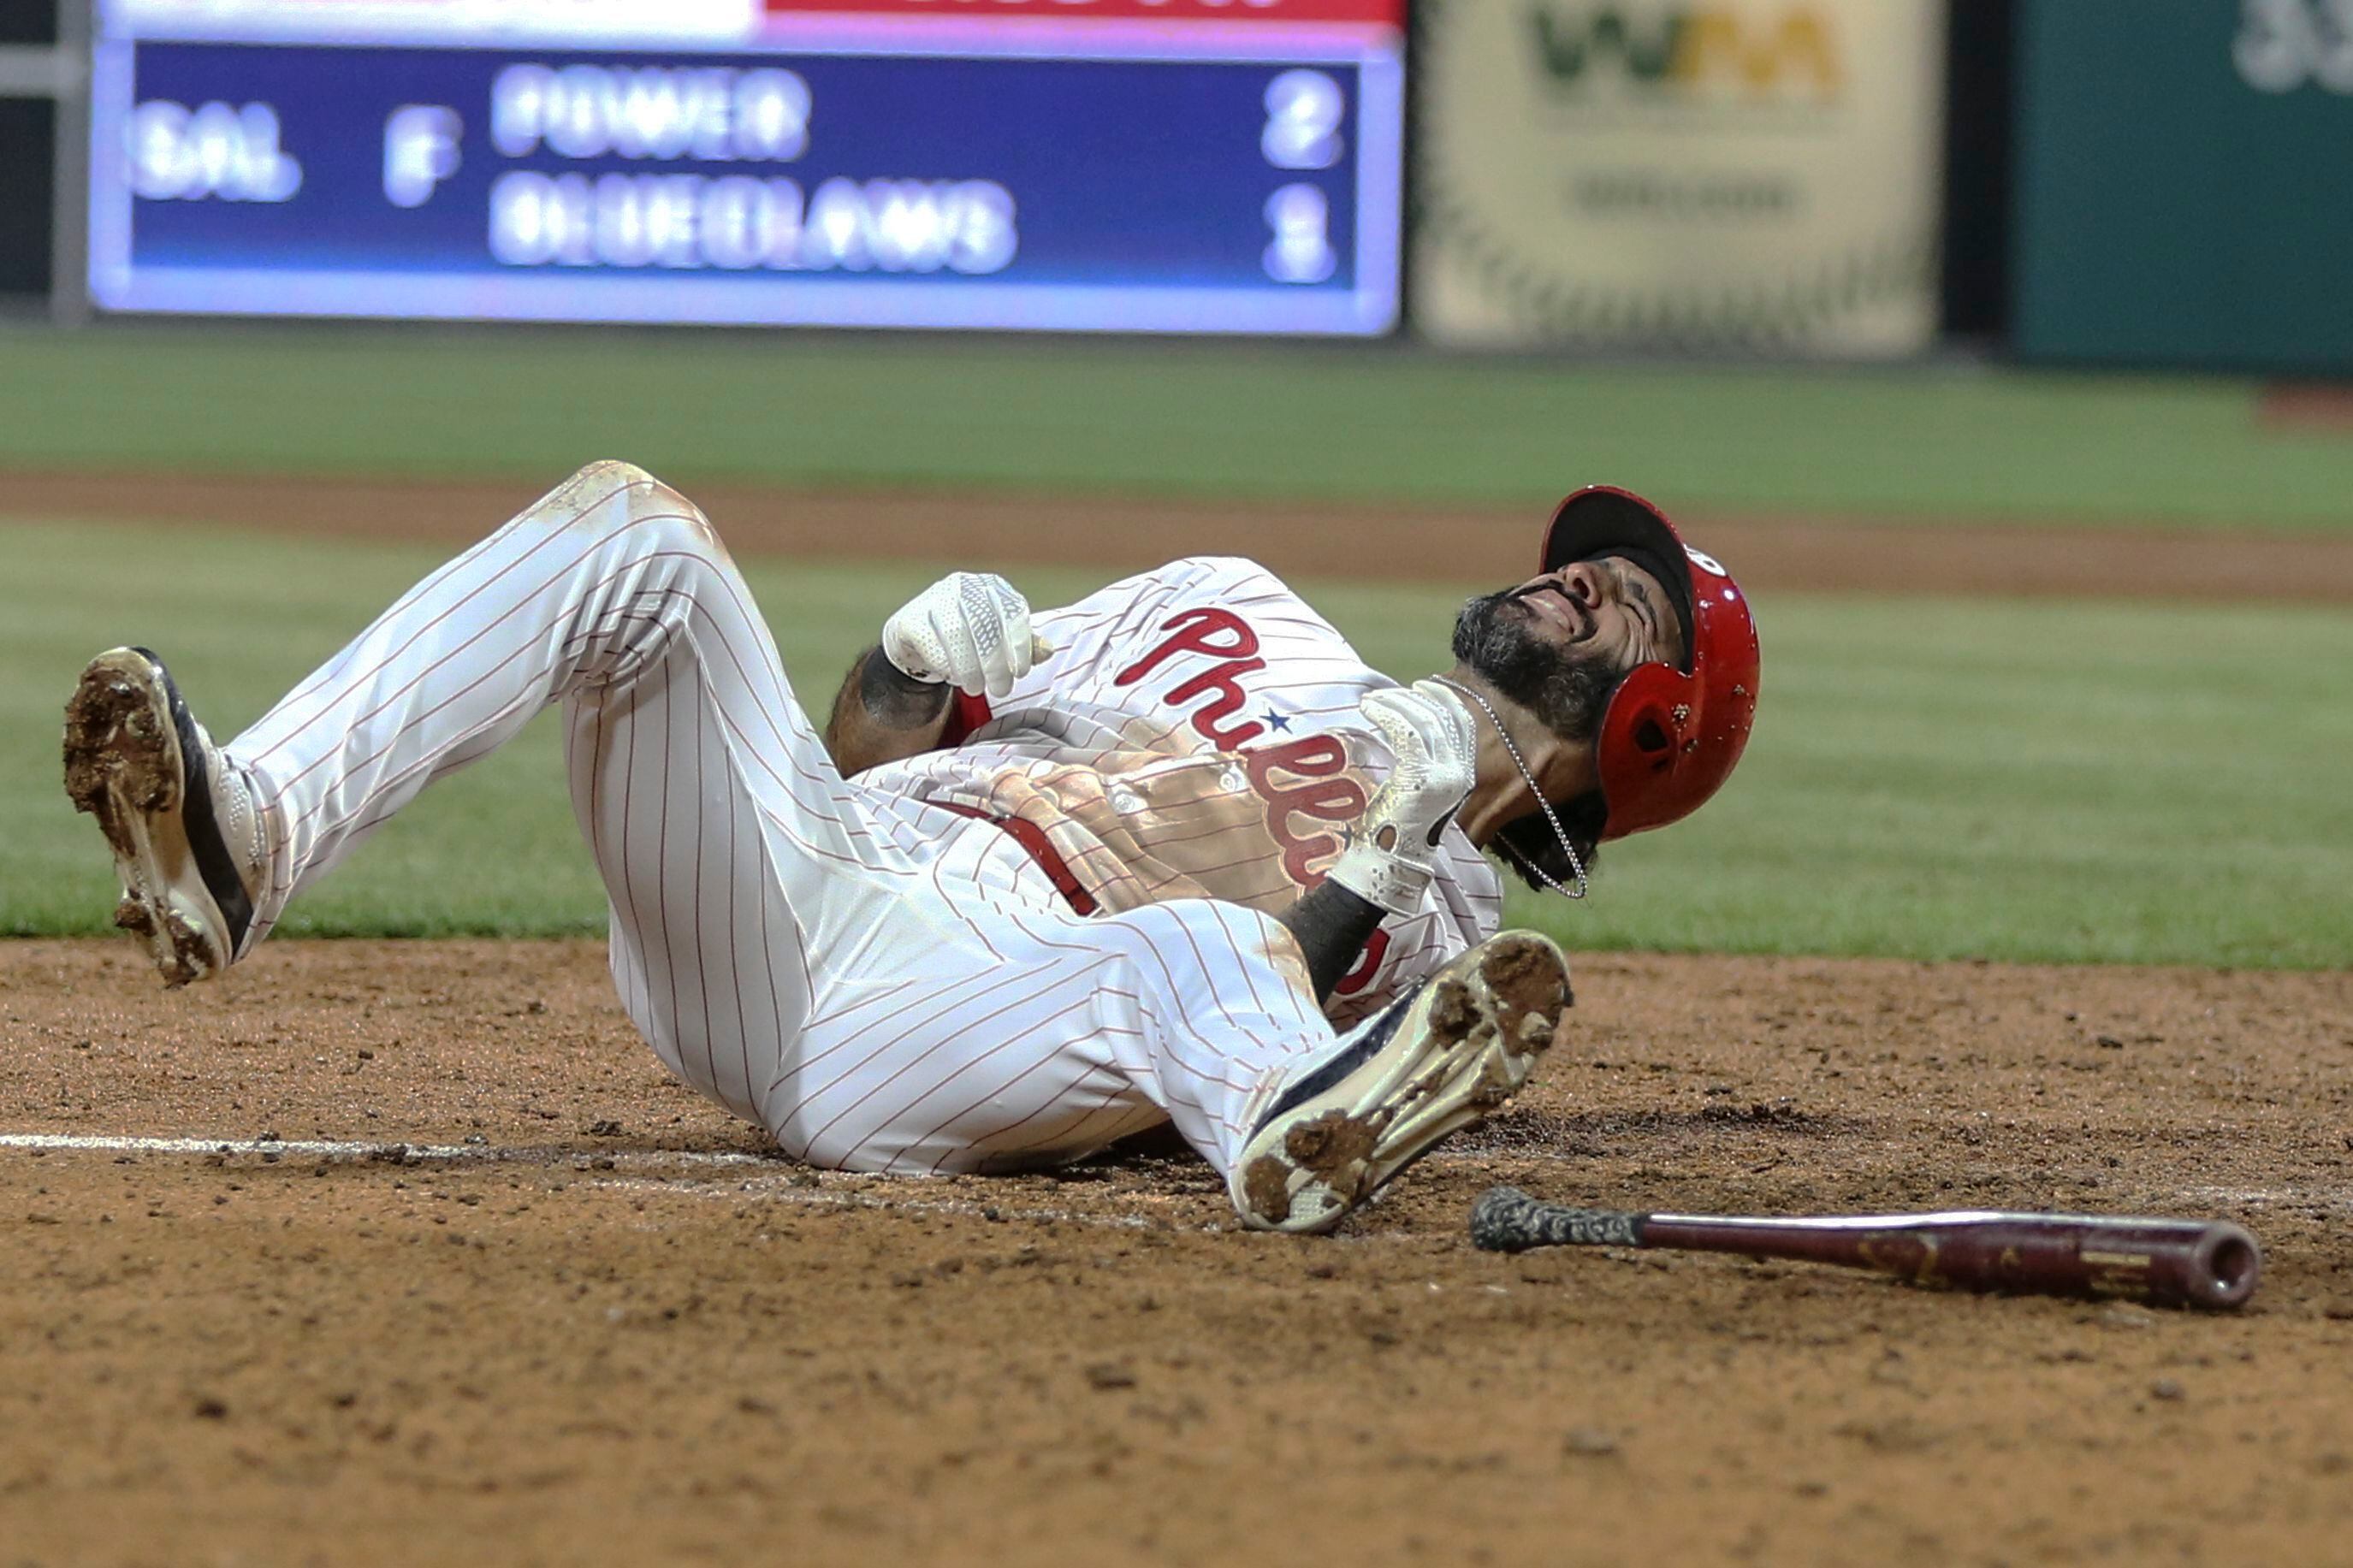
pixel 1576 862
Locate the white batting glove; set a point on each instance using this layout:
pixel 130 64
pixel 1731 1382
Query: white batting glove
pixel 969 630
pixel 1436 744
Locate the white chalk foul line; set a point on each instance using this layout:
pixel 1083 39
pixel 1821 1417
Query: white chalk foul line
pixel 788 1183
pixel 346 1148
pixel 2330 1197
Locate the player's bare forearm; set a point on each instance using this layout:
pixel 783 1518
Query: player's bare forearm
pixel 1332 925
pixel 879 716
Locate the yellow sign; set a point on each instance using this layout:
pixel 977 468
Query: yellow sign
pixel 1711 46
pixel 1749 175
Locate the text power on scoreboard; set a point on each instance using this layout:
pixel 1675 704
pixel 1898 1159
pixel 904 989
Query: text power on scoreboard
pixel 1130 165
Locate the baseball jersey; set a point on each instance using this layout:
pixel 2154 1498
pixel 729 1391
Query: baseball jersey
pixel 1195 733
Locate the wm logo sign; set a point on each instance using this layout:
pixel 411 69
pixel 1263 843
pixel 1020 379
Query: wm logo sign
pixel 1715 49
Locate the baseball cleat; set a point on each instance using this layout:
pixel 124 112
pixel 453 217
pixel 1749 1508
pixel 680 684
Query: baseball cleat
pixel 1428 1064
pixel 186 844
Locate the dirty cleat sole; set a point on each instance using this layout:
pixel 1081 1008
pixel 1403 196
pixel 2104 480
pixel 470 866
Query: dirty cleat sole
pixel 135 760
pixel 1435 1062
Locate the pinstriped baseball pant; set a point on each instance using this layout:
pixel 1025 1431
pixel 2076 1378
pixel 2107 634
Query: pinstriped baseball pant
pixel 884 985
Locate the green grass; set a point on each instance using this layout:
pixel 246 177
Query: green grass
pixel 1376 424
pixel 1929 780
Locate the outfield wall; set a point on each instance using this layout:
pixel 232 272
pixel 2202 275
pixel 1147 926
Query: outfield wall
pixel 2089 182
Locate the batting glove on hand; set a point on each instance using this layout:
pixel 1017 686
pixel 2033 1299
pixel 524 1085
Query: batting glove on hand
pixel 1436 744
pixel 969 630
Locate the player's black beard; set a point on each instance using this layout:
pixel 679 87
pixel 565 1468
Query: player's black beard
pixel 1569 693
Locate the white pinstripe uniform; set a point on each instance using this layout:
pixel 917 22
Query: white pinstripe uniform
pixel 884 983
pixel 1197 733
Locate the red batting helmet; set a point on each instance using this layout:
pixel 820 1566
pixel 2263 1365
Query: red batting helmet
pixel 1670 735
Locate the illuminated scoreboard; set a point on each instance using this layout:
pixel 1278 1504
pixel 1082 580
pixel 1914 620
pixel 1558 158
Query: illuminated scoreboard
pixel 1129 165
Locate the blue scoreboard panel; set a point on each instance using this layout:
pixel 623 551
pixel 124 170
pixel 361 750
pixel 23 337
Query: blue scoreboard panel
pixel 1131 165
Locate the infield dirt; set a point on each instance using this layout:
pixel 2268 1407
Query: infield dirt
pixel 577 1338
pixel 2040 557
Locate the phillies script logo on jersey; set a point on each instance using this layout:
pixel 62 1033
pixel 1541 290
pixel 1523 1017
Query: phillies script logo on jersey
pixel 1303 780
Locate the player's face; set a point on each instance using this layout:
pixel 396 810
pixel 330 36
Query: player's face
pixel 1609 610
pixel 1558 645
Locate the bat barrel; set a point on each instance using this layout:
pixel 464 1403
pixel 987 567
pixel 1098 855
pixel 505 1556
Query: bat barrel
pixel 2206 1264
pixel 2225 1265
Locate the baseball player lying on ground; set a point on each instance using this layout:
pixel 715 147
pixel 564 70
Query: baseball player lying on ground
pixel 1196 864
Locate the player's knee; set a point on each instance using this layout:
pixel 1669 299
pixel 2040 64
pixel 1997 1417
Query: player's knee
pixel 609 481
pixel 658 513
pixel 611 472
pixel 594 488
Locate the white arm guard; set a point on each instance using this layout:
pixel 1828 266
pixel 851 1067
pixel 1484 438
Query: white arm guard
pixel 969 630
pixel 1390 861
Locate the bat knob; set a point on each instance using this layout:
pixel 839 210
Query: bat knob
pixel 1499 1220
pixel 1506 1219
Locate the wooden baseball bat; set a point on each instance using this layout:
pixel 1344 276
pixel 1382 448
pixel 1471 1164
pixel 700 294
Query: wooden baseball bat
pixel 2164 1262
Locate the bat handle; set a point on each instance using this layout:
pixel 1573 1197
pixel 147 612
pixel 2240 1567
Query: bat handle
pixel 1506 1219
